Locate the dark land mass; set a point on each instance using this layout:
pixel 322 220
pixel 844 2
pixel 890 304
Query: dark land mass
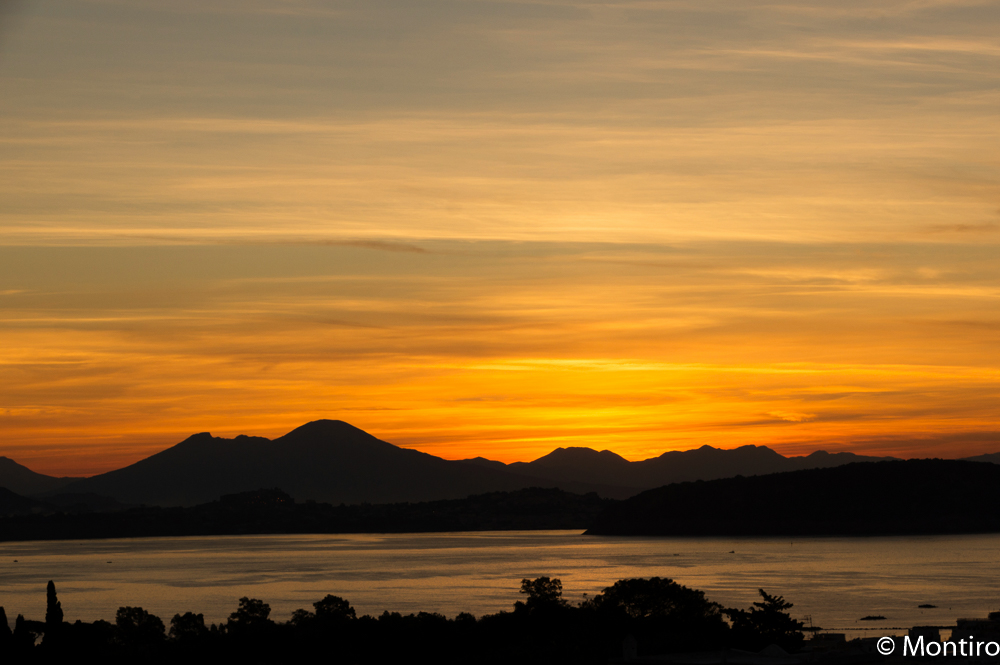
pixel 885 498
pixel 327 461
pixel 334 462
pixel 22 480
pixel 275 512
pixel 992 458
pixel 15 504
pixel 585 465
pixel 867 499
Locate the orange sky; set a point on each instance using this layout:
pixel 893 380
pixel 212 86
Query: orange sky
pixel 495 228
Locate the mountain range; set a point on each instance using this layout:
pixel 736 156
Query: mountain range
pixel 334 462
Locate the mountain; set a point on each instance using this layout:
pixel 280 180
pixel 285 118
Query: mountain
pixel 579 464
pixel 332 461
pixel 22 480
pixel 992 458
pixel 901 497
pixel 625 478
pixel 326 460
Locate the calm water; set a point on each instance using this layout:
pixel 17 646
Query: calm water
pixel 834 580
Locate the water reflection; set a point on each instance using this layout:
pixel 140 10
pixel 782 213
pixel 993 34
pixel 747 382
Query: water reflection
pixel 835 580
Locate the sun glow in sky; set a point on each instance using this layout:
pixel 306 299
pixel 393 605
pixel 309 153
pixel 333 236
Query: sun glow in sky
pixel 495 228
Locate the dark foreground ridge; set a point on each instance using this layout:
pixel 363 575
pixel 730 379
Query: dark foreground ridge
pixel 633 617
pixel 274 512
pixel 882 498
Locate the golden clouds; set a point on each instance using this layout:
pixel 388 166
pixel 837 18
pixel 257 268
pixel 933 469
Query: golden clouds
pixel 497 227
pixel 498 178
pixel 505 349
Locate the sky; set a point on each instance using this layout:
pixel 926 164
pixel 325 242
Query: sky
pixel 496 228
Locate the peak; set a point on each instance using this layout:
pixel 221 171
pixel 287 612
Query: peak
pixel 325 432
pixel 572 451
pixel 200 437
pixel 194 441
pixel 579 453
pixel 325 427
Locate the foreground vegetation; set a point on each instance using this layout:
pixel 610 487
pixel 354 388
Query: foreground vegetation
pixel 652 615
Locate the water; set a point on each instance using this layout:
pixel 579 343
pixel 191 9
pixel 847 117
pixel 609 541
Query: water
pixel 836 581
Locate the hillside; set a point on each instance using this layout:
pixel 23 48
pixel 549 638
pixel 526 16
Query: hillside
pixel 326 460
pixel 22 480
pixel 901 497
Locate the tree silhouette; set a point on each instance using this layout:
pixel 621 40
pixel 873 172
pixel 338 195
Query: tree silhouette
pixel 25 633
pixel 301 617
pixel 53 608
pixel 252 615
pixel 662 615
pixel 542 592
pixel 767 622
pixel 657 598
pixel 189 626
pixel 137 626
pixel 334 607
pixel 5 632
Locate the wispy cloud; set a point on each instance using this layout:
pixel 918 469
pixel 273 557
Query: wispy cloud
pixel 988 227
pixel 436 348
pixel 646 225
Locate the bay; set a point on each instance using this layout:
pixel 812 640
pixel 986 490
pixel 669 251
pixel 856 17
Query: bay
pixel 833 581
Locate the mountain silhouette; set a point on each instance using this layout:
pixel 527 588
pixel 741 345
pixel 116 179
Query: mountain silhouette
pixel 326 460
pixel 332 461
pixel 584 465
pixel 992 458
pixel 22 480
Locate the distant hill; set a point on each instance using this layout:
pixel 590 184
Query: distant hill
pixel 991 458
pixel 22 480
pixel 326 460
pixel 12 504
pixel 274 511
pixel 15 504
pixel 900 497
pixel 332 461
pixel 625 478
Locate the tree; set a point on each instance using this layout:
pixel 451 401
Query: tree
pixel 53 608
pixel 657 598
pixel 189 626
pixel 252 613
pixel 541 592
pixel 334 607
pixel 5 632
pixel 766 622
pixel 661 614
pixel 301 617
pixel 137 626
pixel 25 634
